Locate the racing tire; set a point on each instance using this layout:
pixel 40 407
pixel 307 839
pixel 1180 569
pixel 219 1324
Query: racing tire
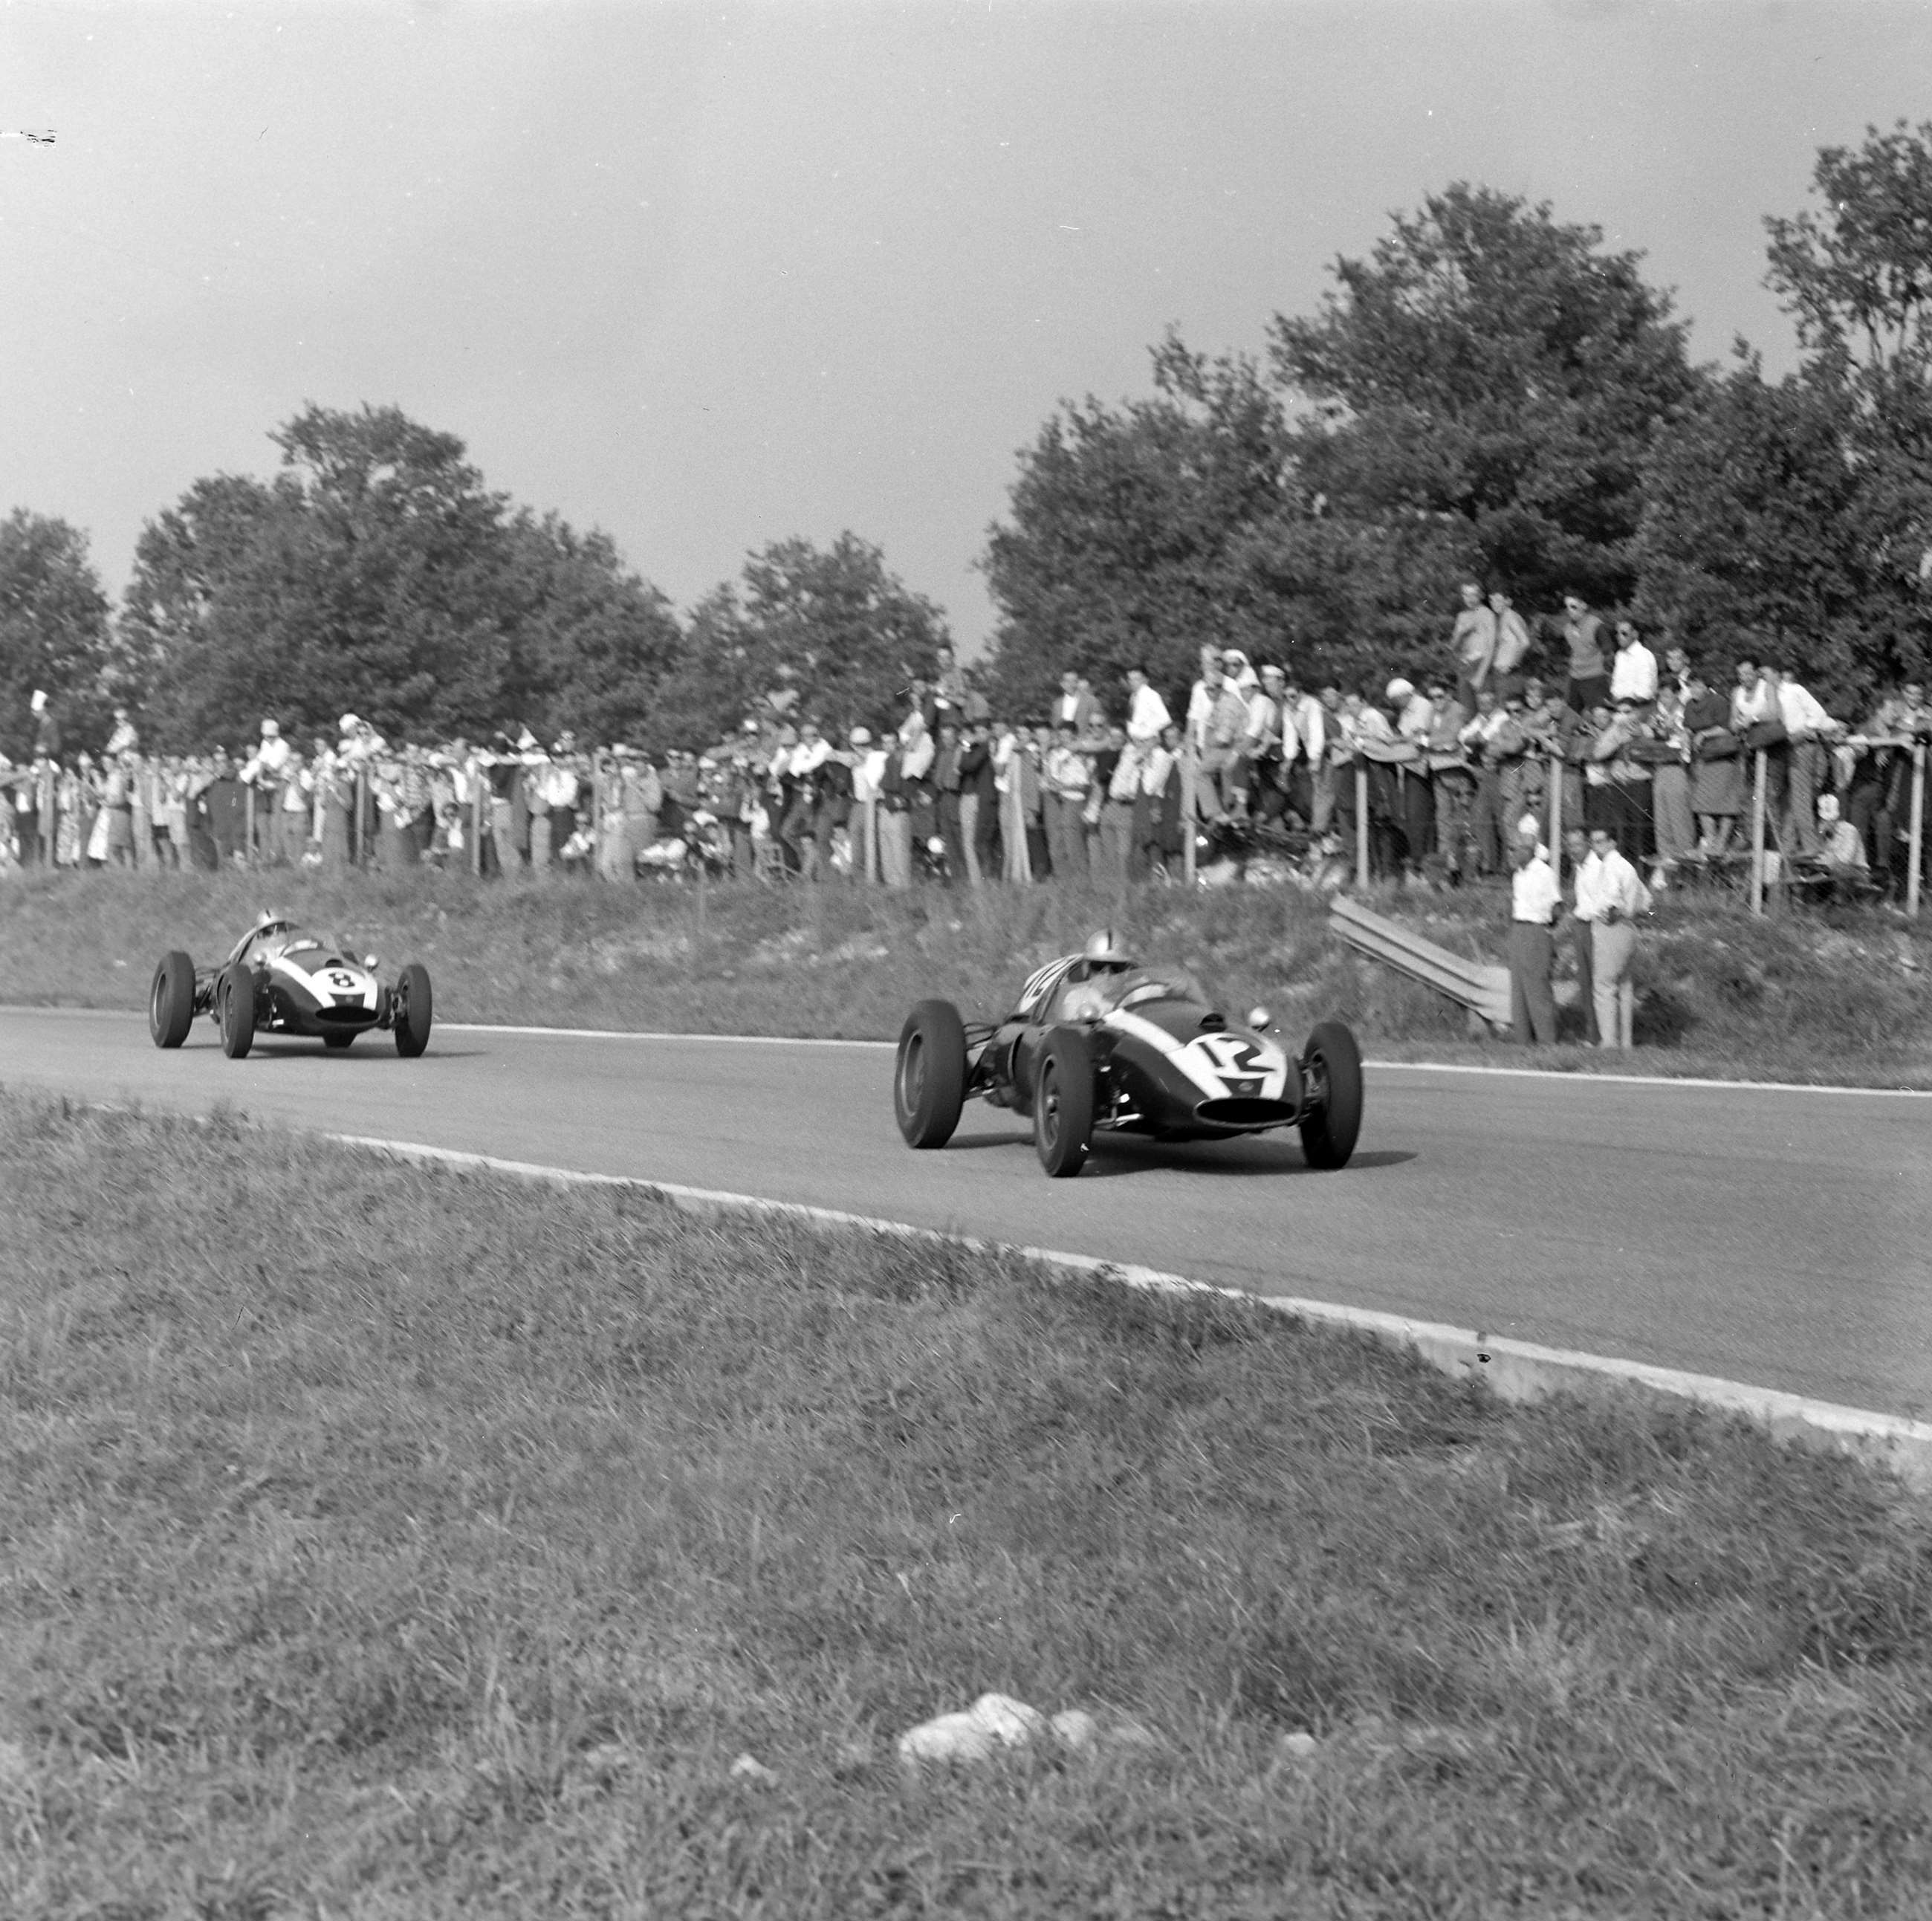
pixel 171 999
pixel 1063 1102
pixel 237 1005
pixel 336 1042
pixel 415 1007
pixel 1331 1125
pixel 929 1074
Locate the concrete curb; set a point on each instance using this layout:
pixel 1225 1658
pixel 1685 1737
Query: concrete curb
pixel 1516 1370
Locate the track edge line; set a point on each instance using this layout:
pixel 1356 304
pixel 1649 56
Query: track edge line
pixel 1514 1371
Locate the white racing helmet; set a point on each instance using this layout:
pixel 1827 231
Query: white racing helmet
pixel 1105 949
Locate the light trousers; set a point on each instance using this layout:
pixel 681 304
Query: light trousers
pixel 1611 950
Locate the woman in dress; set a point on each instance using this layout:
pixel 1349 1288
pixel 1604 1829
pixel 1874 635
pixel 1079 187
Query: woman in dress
pixel 1717 767
pixel 1670 778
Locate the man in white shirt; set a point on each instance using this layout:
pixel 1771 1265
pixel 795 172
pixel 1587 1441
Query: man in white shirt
pixel 1147 711
pixel 1611 897
pixel 1535 899
pixel 1808 727
pixel 1633 668
pixel 1063 782
pixel 1304 742
pixel 264 770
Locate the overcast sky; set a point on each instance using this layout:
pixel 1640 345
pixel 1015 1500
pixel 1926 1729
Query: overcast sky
pixel 708 277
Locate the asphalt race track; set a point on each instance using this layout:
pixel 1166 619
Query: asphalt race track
pixel 1781 1238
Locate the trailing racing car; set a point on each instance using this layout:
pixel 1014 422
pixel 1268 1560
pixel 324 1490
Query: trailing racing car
pixel 1099 1043
pixel 283 978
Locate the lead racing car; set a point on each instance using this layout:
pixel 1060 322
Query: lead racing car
pixel 1099 1043
pixel 284 978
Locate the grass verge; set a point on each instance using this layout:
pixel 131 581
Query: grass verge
pixel 1844 996
pixel 387 1541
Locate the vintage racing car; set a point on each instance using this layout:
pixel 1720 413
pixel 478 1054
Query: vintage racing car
pixel 1099 1043
pixel 282 978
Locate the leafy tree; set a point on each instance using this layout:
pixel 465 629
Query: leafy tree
pixel 377 572
pixel 832 627
pixel 590 642
pixel 1122 548
pixel 1801 513
pixel 1483 391
pixel 54 632
pixel 1761 535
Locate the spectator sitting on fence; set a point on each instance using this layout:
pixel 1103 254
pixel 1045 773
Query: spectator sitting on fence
pixel 1840 846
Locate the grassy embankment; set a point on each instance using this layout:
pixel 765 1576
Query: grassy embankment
pixel 385 1542
pixel 1846 996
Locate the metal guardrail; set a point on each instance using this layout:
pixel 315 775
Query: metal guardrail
pixel 1481 986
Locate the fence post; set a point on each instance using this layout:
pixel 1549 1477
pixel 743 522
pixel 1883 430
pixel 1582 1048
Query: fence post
pixel 476 820
pixel 248 809
pixel 596 816
pixel 873 872
pixel 1556 815
pixel 1361 823
pixel 1916 842
pixel 1188 812
pixel 1757 836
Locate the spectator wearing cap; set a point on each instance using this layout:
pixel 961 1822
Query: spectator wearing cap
pixel 1841 846
pixel 264 771
pixel 1414 798
pixel 1626 794
pixel 1535 902
pixel 1472 645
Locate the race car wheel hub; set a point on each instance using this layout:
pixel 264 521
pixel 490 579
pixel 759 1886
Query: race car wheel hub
pixel 912 1074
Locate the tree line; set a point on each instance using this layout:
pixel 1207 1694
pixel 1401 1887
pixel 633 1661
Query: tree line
pixel 1491 394
pixel 377 573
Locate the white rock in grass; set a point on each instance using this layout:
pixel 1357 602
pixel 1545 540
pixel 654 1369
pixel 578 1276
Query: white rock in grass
pixel 748 1767
pixel 1077 1728
pixel 1299 1746
pixel 13 1764
pixel 992 1722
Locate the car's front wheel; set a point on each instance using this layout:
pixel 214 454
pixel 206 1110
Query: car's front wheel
pixel 1332 1082
pixel 171 999
pixel 1063 1102
pixel 413 1009
pixel 929 1074
pixel 237 1011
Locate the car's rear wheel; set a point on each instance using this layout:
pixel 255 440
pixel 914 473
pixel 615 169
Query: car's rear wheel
pixel 171 999
pixel 1332 1088
pixel 414 1006
pixel 337 1042
pixel 929 1074
pixel 1063 1102
pixel 237 994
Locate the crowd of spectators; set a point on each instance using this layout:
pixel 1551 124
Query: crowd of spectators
pixel 1659 754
